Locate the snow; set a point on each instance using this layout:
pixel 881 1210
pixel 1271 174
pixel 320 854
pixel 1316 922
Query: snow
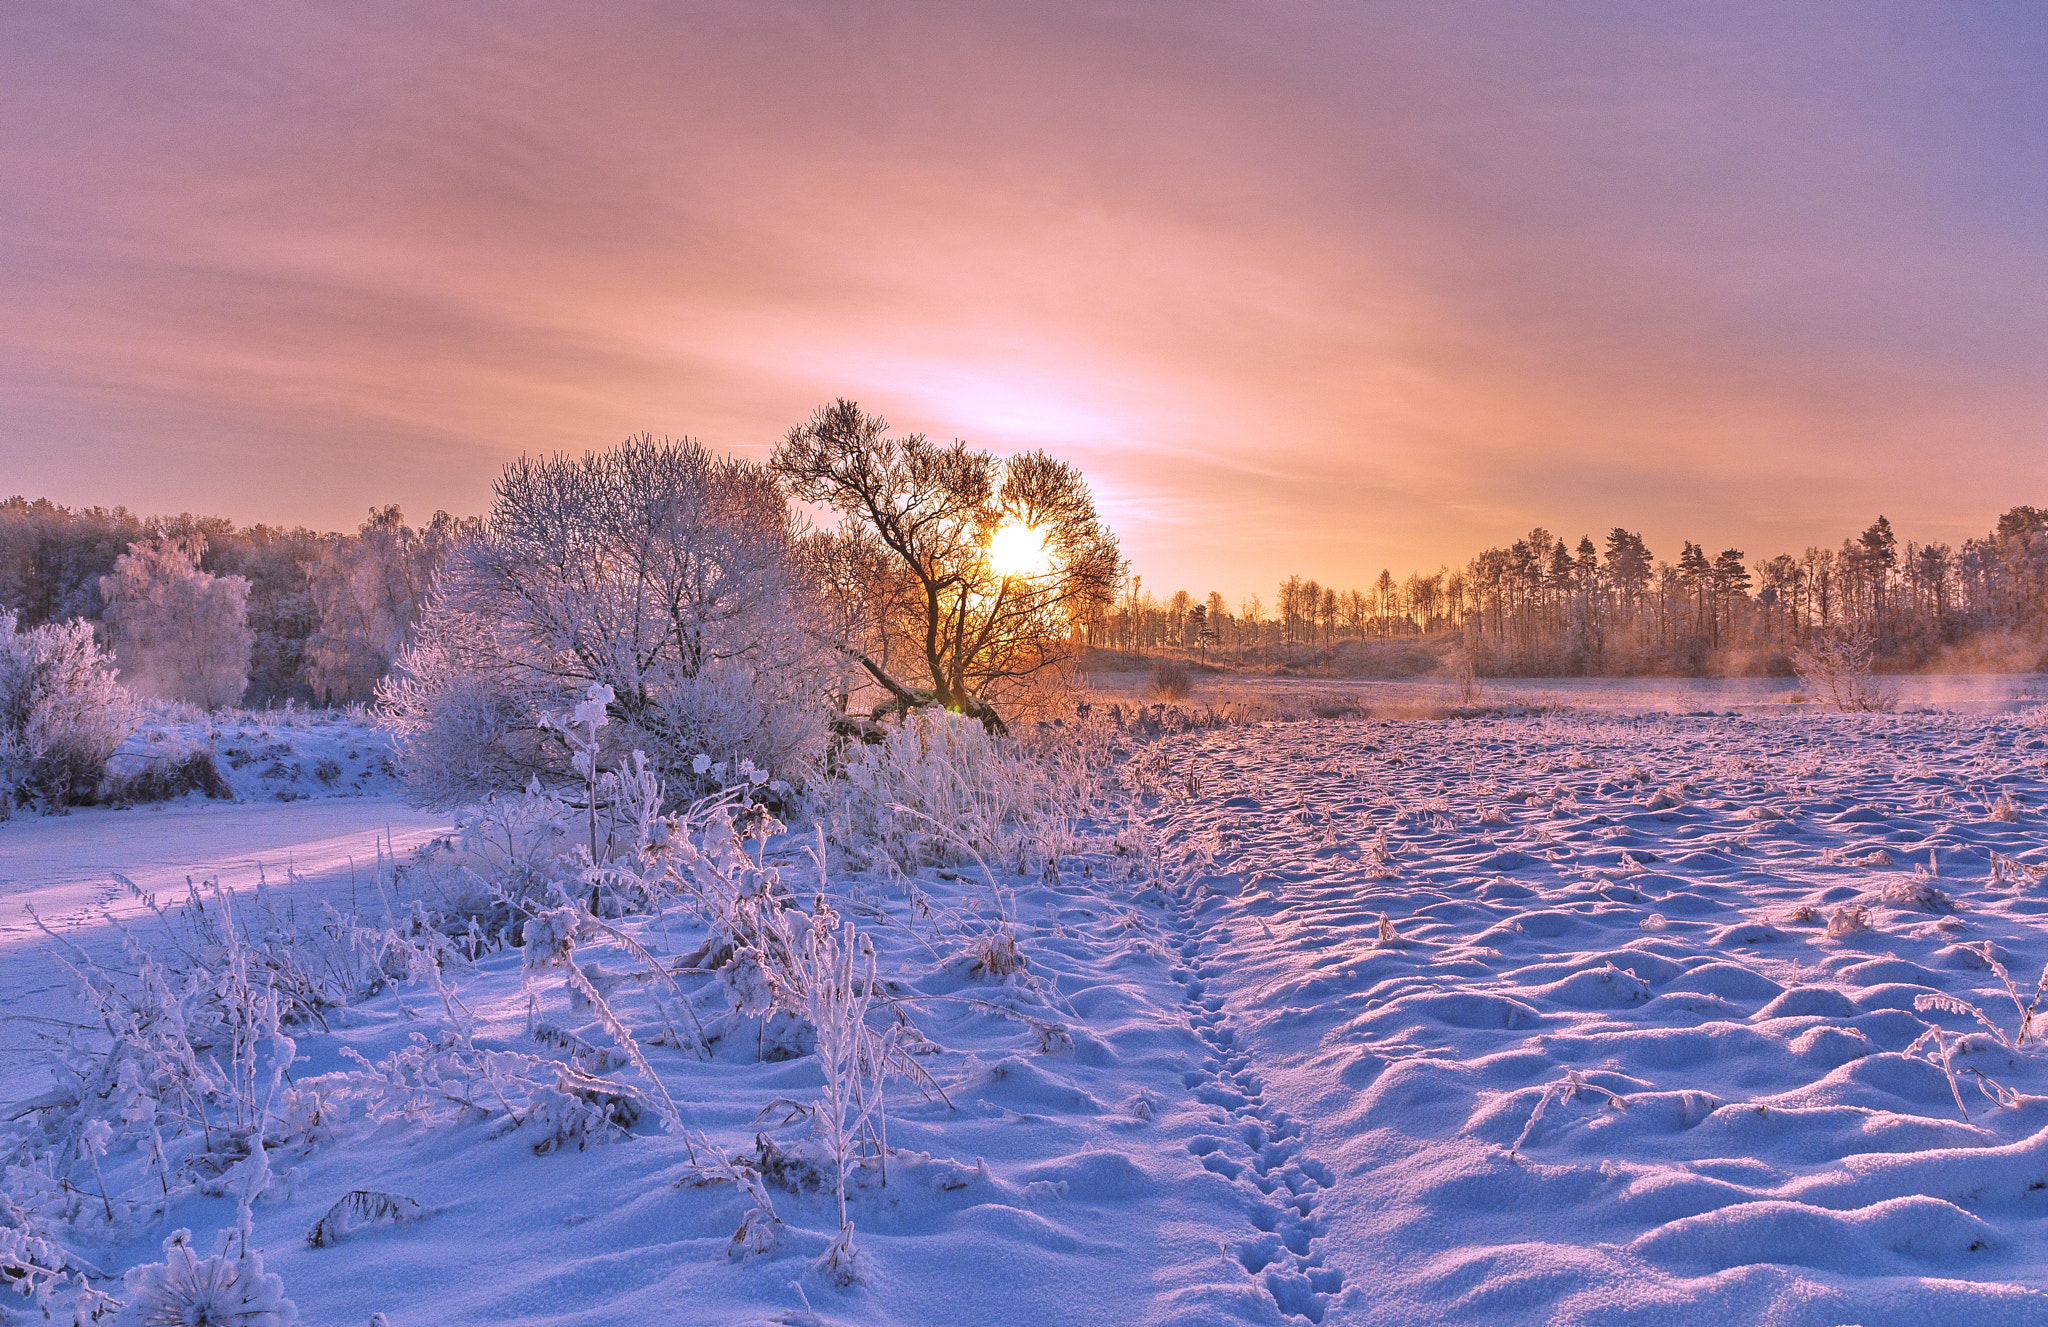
pixel 268 755
pixel 1628 915
pixel 324 837
pixel 1477 1021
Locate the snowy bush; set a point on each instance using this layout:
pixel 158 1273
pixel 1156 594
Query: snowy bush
pixel 657 570
pixel 180 633
pixel 1836 666
pixel 227 1289
pixel 62 713
pixel 1169 679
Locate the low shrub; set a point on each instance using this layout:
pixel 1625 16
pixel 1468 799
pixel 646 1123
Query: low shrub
pixel 1170 680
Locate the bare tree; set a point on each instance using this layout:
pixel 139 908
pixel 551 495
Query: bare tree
pixel 656 569
pixel 1006 557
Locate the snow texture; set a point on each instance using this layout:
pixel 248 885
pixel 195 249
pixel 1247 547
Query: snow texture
pixel 1485 1021
pixel 1611 1067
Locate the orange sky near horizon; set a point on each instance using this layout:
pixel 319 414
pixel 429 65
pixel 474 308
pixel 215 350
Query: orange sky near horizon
pixel 1315 288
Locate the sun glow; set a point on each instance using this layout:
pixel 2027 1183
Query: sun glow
pixel 1017 549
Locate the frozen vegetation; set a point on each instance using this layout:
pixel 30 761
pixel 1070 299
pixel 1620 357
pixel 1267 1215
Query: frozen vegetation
pixel 789 943
pixel 1600 1019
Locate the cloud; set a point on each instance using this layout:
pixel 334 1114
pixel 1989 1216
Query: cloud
pixel 1318 288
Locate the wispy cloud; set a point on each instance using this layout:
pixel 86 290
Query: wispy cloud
pixel 1321 288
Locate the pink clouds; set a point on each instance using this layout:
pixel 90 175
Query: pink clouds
pixel 1318 287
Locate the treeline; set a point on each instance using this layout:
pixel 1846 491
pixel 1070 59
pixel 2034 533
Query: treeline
pixel 196 608
pixel 1546 607
pixel 652 614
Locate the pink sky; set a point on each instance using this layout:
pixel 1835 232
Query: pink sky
pixel 1312 288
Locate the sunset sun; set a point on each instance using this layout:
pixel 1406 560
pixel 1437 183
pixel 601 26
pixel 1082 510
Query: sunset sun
pixel 1017 549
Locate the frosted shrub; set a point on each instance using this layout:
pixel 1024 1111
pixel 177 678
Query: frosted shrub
pixel 507 859
pixel 1836 666
pixel 657 570
pixel 62 714
pixel 1170 679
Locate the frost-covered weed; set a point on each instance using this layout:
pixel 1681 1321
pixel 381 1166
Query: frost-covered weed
pixel 1004 799
pixel 449 1078
pixel 187 1063
pixel 226 1289
pixel 1917 892
pixel 1573 1085
pixel 2006 870
pixel 836 972
pixel 358 1208
pixel 1848 919
pixel 34 1263
pixel 1376 858
pixel 183 1077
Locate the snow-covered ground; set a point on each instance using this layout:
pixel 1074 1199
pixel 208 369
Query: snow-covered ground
pixel 267 755
pixel 1602 1062
pixel 1643 904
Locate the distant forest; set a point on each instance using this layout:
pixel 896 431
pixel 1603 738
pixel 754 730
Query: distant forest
pixel 326 613
pixel 1544 607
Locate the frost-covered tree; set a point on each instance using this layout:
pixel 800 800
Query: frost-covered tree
pixel 179 633
pixel 369 591
pixel 657 569
pixel 1006 557
pixel 62 713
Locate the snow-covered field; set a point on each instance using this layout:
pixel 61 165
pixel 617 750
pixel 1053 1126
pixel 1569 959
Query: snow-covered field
pixel 1641 906
pixel 1481 1021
